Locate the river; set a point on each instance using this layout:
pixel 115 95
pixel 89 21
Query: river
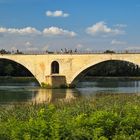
pixel 28 91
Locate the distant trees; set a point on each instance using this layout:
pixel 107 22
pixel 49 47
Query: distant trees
pixel 10 68
pixel 109 51
pixel 3 51
pixel 114 68
pixel 18 52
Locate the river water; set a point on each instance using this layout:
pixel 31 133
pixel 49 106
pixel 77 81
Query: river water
pixel 29 91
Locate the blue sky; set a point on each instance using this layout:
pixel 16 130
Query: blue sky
pixel 82 24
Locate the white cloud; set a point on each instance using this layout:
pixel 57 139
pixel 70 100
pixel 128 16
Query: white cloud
pixel 117 42
pixel 22 31
pixel 57 13
pixel 30 47
pixel 102 29
pixel 54 31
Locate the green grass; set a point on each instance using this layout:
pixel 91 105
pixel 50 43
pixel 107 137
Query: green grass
pixel 106 117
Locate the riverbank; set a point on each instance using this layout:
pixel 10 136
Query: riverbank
pixel 104 117
pixel 16 79
pixel 100 78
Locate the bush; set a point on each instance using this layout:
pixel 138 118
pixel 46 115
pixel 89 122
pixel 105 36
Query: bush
pixel 104 118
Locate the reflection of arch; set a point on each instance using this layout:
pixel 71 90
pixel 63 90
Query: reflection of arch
pixel 82 72
pixel 52 95
pixel 22 66
pixel 55 67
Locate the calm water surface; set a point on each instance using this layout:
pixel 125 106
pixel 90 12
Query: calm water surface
pixel 29 91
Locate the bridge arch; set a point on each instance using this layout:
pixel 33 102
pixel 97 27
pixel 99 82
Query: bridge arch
pixel 21 65
pixel 82 72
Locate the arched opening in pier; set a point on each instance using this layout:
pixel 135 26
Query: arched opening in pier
pixel 55 67
pixel 110 68
pixel 12 72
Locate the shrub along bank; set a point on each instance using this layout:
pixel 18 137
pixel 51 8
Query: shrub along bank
pixel 105 117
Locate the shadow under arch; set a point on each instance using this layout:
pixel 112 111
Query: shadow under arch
pixel 78 76
pixel 10 61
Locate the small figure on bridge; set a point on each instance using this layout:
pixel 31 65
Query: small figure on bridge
pixel 61 50
pixel 75 50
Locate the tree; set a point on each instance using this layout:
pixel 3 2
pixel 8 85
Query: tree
pixel 3 51
pixel 109 51
pixel 9 69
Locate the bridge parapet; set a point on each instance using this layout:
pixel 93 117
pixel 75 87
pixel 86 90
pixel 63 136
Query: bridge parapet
pixel 72 52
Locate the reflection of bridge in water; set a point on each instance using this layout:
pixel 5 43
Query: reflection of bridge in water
pixel 52 95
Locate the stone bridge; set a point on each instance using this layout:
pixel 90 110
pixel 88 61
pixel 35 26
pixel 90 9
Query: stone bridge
pixel 64 69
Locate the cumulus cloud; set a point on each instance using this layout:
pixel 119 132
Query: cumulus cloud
pixel 57 13
pixel 117 42
pixel 22 31
pixel 29 46
pixel 102 29
pixel 54 31
pixel 51 31
pixel 13 39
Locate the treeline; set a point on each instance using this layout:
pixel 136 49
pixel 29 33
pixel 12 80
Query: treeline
pixel 3 51
pixel 10 68
pixel 114 68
